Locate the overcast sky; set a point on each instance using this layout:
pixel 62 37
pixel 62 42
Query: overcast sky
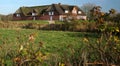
pixel 10 6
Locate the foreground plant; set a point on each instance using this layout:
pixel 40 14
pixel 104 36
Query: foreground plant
pixel 22 53
pixel 106 49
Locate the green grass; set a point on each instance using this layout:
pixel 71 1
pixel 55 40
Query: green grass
pixel 32 21
pixel 52 39
pixel 43 21
pixel 58 43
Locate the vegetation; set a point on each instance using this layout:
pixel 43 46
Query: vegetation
pixel 32 21
pixel 96 41
pixel 86 8
pixel 22 45
pixel 33 47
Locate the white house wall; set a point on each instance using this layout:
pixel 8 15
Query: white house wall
pixel 82 17
pixel 61 17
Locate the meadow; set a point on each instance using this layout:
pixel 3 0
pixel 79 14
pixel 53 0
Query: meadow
pixel 34 47
pixel 54 42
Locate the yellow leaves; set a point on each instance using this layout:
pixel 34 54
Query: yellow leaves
pixel 32 37
pixel 85 40
pixel 117 29
pixel 116 39
pixel 41 57
pixel 61 64
pixel 25 52
pixel 17 59
pixel 21 48
pixel 98 41
pixel 102 13
pixel 39 54
pixel 114 48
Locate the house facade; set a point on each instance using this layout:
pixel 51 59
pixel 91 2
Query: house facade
pixel 49 12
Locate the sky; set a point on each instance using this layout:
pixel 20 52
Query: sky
pixel 10 6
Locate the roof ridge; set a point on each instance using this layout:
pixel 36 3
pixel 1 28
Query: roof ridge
pixel 34 6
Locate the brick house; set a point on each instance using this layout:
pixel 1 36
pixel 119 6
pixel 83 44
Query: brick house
pixel 49 12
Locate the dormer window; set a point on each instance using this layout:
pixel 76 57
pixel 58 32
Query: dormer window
pixel 33 14
pixel 43 14
pixel 79 12
pixel 17 15
pixel 51 13
pixel 66 11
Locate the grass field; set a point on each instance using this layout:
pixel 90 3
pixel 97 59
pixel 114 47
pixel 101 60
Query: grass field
pixel 52 39
pixel 50 47
pixel 63 46
pixel 32 21
pixel 36 21
pixel 54 42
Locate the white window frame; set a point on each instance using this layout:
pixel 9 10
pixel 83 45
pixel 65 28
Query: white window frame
pixel 79 12
pixel 33 14
pixel 51 13
pixel 66 11
pixel 17 15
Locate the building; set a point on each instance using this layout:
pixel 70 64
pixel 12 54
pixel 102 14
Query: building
pixel 49 12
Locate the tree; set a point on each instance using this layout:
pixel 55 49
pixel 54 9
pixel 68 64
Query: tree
pixel 9 17
pixel 6 18
pixel 96 14
pixel 111 15
pixel 112 11
pixel 117 18
pixel 87 7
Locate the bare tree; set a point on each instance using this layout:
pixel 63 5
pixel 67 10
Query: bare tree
pixel 87 7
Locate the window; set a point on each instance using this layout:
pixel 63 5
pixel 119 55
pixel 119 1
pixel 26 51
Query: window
pixel 79 12
pixel 17 15
pixel 51 13
pixel 66 11
pixel 43 14
pixel 33 14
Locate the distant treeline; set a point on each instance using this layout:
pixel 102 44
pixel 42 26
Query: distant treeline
pixel 8 17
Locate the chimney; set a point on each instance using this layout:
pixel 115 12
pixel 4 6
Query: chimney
pixel 59 3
